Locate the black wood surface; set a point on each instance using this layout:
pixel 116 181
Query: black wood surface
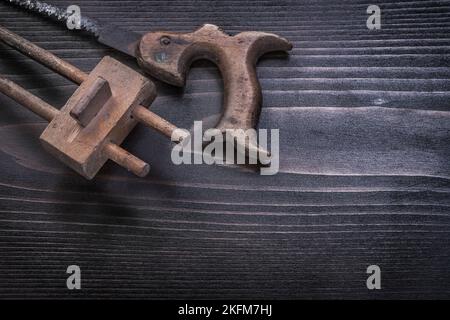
pixel 364 175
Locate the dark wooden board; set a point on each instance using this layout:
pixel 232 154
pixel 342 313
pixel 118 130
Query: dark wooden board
pixel 364 175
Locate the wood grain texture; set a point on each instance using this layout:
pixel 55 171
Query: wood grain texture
pixel 364 173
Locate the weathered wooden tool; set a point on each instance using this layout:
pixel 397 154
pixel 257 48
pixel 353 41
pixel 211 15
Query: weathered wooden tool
pixel 88 130
pixel 167 56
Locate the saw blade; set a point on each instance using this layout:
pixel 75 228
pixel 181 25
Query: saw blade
pixel 108 34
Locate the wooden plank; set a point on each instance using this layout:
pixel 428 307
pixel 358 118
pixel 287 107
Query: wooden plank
pixel 364 171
